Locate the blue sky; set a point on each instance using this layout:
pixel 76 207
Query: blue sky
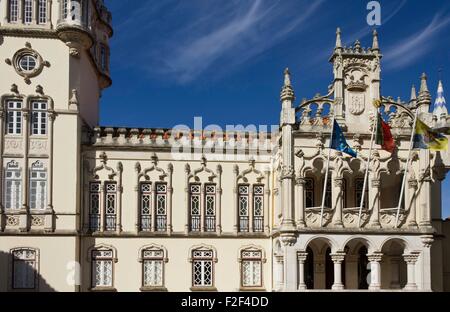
pixel 172 60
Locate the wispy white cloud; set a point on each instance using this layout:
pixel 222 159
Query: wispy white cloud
pixel 407 51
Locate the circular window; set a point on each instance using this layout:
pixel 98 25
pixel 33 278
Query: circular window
pixel 27 63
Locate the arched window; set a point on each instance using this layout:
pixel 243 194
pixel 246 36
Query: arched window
pixel 13 11
pixel 42 12
pixel 13 186
pixel 24 268
pixel 38 186
pixel 14 124
pixel 28 11
pixel 251 260
pixel 153 259
pixel 203 259
pixel 39 118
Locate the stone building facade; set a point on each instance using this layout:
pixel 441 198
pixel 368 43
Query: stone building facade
pixel 89 208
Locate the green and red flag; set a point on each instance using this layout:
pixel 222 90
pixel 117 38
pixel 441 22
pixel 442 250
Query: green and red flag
pixel 384 135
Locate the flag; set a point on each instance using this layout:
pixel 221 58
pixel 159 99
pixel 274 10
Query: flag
pixel 338 141
pixel 425 138
pixel 384 135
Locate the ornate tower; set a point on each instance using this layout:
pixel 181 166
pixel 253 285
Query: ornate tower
pixel 356 81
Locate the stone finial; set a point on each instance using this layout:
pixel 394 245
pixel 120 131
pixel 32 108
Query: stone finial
pixel 39 90
pixel 423 83
pixel 154 159
pixel 338 39
pixel 14 89
pixel 103 158
pixel 357 46
pixel 424 93
pixel 413 93
pixel 73 102
pixel 287 92
pixel 375 44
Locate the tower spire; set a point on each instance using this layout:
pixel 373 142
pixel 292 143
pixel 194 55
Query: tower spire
pixel 424 99
pixel 287 92
pixel 375 44
pixel 338 39
pixel 413 93
pixel 440 104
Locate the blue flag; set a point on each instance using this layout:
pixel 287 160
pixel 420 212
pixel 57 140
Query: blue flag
pixel 338 141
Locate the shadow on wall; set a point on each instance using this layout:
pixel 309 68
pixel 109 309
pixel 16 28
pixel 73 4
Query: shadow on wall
pixel 19 272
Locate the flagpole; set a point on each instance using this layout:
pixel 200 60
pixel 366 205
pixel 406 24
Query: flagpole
pixel 367 169
pixel 326 172
pixel 411 145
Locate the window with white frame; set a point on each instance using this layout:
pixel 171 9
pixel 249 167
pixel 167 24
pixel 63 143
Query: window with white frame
pixel 153 267
pixel 39 118
pixel 243 201
pixel 258 208
pixel 161 209
pixel 94 206
pixel 13 186
pixel 195 209
pixel 42 12
pixel 28 11
pixel 38 186
pixel 110 205
pixel 146 206
pixel 13 11
pixel 65 9
pixel 309 193
pixel 24 271
pixel 14 123
pixel 251 268
pixel 202 268
pixel 102 268
pixel 210 207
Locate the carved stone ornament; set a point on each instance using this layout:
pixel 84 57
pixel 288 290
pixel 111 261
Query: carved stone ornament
pixel 27 63
pixel 357 103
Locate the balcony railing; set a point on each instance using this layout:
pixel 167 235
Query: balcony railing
pixel 161 223
pixel 110 223
pixel 146 223
pixel 243 224
pixel 210 224
pixel 258 224
pixel 94 222
pixel 195 223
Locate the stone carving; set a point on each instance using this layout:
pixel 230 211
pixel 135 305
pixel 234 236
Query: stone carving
pixel 351 218
pixel 37 221
pixel 13 146
pixel 12 221
pixel 38 147
pixel 357 103
pixel 313 217
pixel 387 218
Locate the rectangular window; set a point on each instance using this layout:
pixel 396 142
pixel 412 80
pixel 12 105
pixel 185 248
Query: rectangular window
pixel 309 193
pixel 258 208
pixel 24 269
pixel 14 123
pixel 65 9
pixel 161 209
pixel 28 11
pixel 39 118
pixel 195 210
pixel 94 206
pixel 102 268
pixel 202 265
pixel 328 198
pixel 153 268
pixel 243 202
pixel 110 206
pixel 210 208
pixel 13 189
pixel 251 268
pixel 38 189
pixel 13 11
pixel 42 17
pixel 146 206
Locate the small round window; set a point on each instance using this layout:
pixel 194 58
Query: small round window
pixel 27 63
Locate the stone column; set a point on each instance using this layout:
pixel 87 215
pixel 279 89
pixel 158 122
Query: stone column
pixel 411 260
pixel 301 258
pixel 119 198
pixel 376 200
pixel 375 274
pixel 290 267
pixel 4 8
pixel 235 201
pixel 278 274
pixel 153 208
pixel 337 217
pixel 102 207
pixel 338 258
pixel 219 201
pixel 25 211
pixel 395 272
pixel 187 170
pixel 412 184
pixel 169 199
pixel 300 202
pixel 425 192
pixel 267 203
pixel 427 242
pixel 35 12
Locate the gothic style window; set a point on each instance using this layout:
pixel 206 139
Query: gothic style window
pixel 202 268
pixel 243 200
pixel 94 206
pixel 161 209
pixel 42 12
pixel 13 11
pixel 359 184
pixel 153 267
pixel 39 118
pixel 110 206
pixel 14 125
pixel 13 186
pixel 258 208
pixel 195 202
pixel 102 268
pixel 65 9
pixel 210 208
pixel 28 11
pixel 38 187
pixel 146 206
pixel 24 271
pixel 251 268
pixel 309 193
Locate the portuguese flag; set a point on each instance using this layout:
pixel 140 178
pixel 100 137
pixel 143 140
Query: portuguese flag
pixel 384 135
